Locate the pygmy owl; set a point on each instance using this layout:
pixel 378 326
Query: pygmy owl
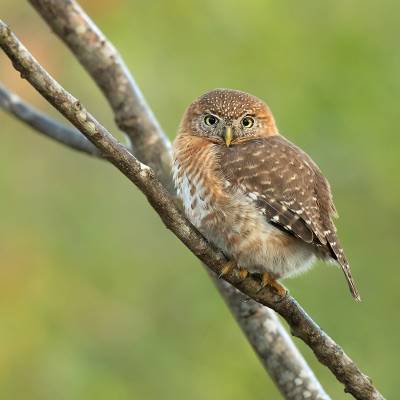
pixel 251 192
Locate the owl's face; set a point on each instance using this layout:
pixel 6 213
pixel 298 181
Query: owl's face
pixel 226 116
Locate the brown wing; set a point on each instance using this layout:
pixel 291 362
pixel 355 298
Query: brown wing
pixel 281 179
pixel 289 189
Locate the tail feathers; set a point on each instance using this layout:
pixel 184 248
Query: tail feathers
pixel 350 281
pixel 337 253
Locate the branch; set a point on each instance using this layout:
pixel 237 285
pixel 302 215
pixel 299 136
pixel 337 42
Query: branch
pixel 285 364
pixel 40 122
pixel 108 70
pixel 326 350
pixel 104 64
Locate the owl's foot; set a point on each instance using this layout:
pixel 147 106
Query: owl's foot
pixel 243 273
pixel 230 266
pixel 268 280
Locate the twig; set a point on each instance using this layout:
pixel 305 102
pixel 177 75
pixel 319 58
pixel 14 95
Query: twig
pixel 327 351
pixel 44 124
pixel 108 70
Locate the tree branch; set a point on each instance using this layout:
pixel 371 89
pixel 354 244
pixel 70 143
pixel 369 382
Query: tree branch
pixel 108 70
pixel 104 64
pixel 287 367
pixel 42 123
pixel 326 350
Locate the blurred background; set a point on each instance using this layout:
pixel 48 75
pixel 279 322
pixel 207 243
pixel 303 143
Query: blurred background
pixel 98 300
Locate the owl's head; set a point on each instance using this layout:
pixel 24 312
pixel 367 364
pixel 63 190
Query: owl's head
pixel 228 116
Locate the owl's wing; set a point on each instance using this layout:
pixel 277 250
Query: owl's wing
pixel 285 184
pixel 289 189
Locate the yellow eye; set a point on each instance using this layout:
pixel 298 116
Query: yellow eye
pixel 210 120
pixel 247 122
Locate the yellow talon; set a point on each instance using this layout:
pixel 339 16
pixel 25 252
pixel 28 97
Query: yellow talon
pixel 243 274
pixel 226 268
pixel 279 289
pixel 268 280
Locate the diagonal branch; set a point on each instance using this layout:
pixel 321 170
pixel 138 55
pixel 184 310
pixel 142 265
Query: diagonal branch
pixel 326 350
pixel 104 64
pixel 287 367
pixel 44 124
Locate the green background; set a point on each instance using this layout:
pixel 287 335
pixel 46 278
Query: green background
pixel 98 300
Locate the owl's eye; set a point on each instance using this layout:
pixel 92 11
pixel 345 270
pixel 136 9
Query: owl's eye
pixel 247 122
pixel 210 120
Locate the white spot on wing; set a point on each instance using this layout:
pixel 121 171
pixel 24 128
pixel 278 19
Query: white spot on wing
pixel 253 195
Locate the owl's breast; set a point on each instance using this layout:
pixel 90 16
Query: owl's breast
pixel 211 204
pixel 194 196
pixel 221 214
pixel 196 178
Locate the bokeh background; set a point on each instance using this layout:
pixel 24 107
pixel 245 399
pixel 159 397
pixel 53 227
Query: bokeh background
pixel 98 300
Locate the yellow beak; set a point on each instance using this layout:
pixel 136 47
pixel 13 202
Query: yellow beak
pixel 228 135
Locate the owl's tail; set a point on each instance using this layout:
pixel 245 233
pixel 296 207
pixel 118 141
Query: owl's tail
pixel 352 285
pixel 344 264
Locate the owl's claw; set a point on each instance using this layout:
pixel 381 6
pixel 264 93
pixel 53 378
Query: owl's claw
pixel 228 267
pixel 268 280
pixel 243 274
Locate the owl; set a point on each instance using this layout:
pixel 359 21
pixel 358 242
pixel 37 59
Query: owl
pixel 252 193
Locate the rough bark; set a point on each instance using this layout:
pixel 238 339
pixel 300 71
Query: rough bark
pixel 326 350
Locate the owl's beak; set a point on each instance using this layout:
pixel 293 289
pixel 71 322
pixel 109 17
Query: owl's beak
pixel 228 135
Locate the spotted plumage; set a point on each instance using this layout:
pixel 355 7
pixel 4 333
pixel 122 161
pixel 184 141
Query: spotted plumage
pixel 251 192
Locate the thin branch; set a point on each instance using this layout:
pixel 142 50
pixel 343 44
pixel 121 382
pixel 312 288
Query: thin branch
pixel 42 123
pixel 103 62
pixel 108 70
pixel 326 350
pixel 285 364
